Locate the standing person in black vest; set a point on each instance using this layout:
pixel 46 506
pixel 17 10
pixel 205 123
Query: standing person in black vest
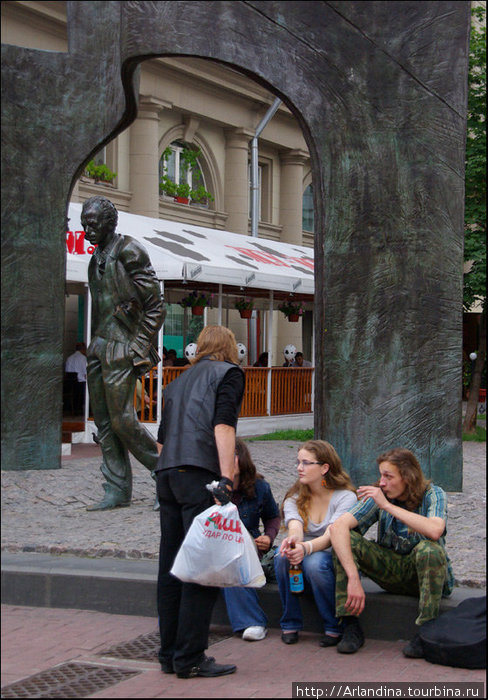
pixel 196 440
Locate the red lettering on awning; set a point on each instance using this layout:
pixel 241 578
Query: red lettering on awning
pixel 259 256
pixel 75 243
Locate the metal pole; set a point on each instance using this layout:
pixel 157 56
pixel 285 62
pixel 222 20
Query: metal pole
pixel 253 351
pixel 220 306
pixel 88 341
pixel 254 165
pixel 313 363
pixel 270 350
pixel 159 384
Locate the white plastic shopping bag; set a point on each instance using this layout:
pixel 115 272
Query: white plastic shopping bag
pixel 219 551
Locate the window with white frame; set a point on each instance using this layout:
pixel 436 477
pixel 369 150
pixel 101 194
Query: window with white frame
pixel 101 157
pixel 180 173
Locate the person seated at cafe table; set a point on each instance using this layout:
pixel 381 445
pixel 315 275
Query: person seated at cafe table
pixel 300 362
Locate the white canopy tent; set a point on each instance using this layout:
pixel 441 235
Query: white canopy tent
pixel 197 254
pixel 184 254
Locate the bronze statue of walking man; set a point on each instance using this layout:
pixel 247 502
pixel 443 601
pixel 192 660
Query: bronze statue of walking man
pixel 127 313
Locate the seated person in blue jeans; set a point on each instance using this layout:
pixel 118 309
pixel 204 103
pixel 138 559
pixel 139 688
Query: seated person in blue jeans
pixel 322 493
pixel 254 500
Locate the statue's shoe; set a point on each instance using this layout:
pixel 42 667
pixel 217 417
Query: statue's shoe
pixel 109 502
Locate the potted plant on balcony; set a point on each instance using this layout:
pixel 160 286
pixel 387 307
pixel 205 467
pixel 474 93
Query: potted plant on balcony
pixel 167 186
pixel 245 306
pixel 182 195
pixel 99 173
pixel 292 309
pixel 196 301
pixel 201 196
pixel 182 192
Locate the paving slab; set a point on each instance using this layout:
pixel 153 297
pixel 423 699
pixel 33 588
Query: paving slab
pixel 50 637
pixel 45 511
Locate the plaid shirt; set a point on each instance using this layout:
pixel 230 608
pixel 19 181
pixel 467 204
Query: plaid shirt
pixel 395 535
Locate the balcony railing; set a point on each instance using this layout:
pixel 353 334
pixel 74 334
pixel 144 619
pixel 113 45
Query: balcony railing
pixel 269 391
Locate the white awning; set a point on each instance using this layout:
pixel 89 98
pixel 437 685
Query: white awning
pixel 194 253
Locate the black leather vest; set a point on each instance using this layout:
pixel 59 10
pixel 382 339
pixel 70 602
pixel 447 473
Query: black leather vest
pixel 189 407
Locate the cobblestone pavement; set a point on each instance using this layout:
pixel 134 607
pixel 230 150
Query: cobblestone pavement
pixel 45 510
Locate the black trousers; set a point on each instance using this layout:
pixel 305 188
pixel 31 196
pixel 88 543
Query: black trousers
pixel 184 609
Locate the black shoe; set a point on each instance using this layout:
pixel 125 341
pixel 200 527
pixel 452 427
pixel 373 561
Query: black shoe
pixel 166 664
pixel 289 637
pixel 207 669
pixel 352 637
pixel 414 649
pixel 166 667
pixel 329 641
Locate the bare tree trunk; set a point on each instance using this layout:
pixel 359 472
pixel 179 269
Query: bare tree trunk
pixel 469 425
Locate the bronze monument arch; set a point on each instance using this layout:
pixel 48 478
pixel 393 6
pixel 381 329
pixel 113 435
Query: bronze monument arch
pixel 380 91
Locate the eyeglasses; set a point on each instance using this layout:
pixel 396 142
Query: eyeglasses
pixel 305 463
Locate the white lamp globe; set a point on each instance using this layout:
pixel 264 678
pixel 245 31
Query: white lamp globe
pixel 289 352
pixel 190 351
pixel 241 351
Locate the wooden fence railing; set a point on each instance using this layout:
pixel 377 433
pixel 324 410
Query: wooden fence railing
pixel 291 391
pixel 254 402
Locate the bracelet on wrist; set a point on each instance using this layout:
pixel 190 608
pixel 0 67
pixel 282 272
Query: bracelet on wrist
pixel 304 548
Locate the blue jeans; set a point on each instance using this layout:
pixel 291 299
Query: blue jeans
pixel 318 574
pixel 243 608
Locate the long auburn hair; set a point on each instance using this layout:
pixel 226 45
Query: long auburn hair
pixel 247 470
pixel 336 478
pixel 218 343
pixel 410 471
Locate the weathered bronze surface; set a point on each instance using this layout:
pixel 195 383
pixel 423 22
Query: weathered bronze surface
pixel 380 91
pixel 127 313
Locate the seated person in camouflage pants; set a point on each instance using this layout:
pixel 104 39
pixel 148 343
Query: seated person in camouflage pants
pixel 409 556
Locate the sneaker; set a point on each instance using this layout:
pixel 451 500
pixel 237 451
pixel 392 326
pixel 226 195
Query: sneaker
pixel 254 634
pixel 352 637
pixel 207 668
pixel 414 649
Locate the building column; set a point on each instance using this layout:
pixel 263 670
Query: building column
pixel 236 196
pixel 144 157
pixel 291 195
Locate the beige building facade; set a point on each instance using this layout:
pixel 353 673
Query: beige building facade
pixel 214 111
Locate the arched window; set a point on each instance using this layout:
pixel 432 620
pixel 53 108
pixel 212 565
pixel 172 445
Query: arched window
pixel 307 210
pixel 180 174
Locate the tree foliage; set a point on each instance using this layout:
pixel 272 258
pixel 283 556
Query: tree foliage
pixel 475 198
pixel 475 201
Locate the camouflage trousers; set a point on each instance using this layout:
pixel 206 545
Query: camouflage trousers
pixel 420 573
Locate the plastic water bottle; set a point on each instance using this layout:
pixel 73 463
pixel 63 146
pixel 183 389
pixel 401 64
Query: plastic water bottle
pixel 296 576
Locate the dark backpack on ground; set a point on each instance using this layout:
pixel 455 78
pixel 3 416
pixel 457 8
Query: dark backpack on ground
pixel 458 636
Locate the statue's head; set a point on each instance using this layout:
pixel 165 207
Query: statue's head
pixel 99 219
